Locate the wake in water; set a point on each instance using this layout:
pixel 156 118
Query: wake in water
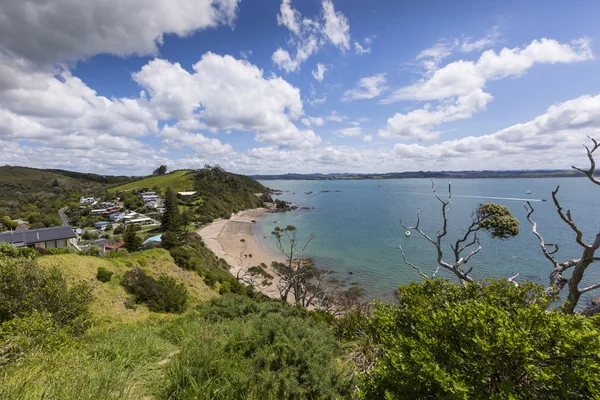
pixel 484 197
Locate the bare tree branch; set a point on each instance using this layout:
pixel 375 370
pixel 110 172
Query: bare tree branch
pixel 512 279
pixel 567 219
pixel 413 265
pixel 543 245
pixel 589 288
pixel 590 153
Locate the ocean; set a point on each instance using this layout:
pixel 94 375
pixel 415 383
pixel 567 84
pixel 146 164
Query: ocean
pixel 357 227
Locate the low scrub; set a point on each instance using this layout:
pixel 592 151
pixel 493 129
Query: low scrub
pixel 103 274
pixel 164 294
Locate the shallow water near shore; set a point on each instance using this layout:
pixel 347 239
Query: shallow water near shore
pixel 358 231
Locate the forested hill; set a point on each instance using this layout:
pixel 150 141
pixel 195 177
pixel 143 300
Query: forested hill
pixel 218 193
pixel 427 174
pixel 36 195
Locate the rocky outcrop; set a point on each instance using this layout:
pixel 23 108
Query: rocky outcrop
pixel 266 198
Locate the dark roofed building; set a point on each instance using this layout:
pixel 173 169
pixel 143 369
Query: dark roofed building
pixel 46 238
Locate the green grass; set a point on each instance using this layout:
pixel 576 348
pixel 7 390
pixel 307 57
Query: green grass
pixel 180 181
pixel 109 304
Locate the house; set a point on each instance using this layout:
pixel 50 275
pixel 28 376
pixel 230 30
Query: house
pixel 142 221
pixel 86 200
pixel 46 238
pixel 105 211
pixel 116 217
pixel 101 225
pixel 22 227
pixel 186 195
pixel 116 246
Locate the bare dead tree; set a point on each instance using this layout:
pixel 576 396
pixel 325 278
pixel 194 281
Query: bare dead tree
pixel 255 276
pixel 579 265
pixel 494 218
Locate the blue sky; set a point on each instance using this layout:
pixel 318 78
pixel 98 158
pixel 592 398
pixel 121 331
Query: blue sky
pixel 272 86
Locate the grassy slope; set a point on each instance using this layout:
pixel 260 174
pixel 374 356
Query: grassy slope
pixel 109 305
pixel 179 180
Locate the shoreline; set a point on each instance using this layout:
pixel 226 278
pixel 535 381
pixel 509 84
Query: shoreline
pixel 222 237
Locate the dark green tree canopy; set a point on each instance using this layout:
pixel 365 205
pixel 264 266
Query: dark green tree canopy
pixel 160 170
pixel 497 220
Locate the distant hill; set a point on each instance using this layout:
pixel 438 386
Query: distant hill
pixel 24 191
pixel 427 174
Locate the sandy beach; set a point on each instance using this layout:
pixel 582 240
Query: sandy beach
pixel 223 237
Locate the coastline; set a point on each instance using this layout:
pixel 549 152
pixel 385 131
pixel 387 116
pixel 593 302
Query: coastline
pixel 223 236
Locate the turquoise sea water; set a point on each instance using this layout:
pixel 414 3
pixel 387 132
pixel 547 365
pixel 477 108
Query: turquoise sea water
pixel 358 231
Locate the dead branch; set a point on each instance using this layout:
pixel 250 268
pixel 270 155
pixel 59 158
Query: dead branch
pixel 590 153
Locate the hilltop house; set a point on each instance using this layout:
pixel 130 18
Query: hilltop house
pixel 46 238
pixel 101 225
pixel 186 195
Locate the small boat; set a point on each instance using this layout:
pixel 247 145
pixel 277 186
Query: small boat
pixel 407 233
pixel 378 185
pixel 528 192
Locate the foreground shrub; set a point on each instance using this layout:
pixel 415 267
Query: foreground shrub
pixel 103 275
pixel 233 306
pixel 260 357
pixel 480 341
pixel 25 287
pixel 161 295
pixel 9 250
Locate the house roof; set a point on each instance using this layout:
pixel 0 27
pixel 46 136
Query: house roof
pixel 37 235
pixel 117 245
pixel 186 193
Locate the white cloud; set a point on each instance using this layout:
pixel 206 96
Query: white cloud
pixel 335 117
pixel 367 88
pixel 227 94
pixel 431 58
pixel 308 36
pixel 421 122
pixel 336 26
pixel 319 73
pixel 317 121
pixel 178 138
pixel 460 85
pixel 68 30
pixel 551 140
pixel 367 138
pixel 353 131
pixel 289 17
pixel 366 49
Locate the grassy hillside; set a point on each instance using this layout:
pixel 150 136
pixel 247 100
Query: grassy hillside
pixel 109 304
pixel 28 191
pixel 181 181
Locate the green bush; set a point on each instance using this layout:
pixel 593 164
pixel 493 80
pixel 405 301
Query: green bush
pixel 260 357
pixel 161 295
pixel 9 250
pixel 104 275
pixel 490 340
pixel 234 306
pixel 25 288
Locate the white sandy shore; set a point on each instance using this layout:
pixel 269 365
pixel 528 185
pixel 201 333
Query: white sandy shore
pixel 223 237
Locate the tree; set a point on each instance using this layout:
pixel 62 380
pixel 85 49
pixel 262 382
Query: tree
pixel 160 170
pixel 481 340
pixel 170 240
pixel 132 240
pixel 171 218
pixel 495 219
pixel 557 281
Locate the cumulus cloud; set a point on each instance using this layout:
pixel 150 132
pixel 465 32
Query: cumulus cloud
pixel 367 88
pixel 227 93
pixel 551 140
pixel 335 117
pixel 177 138
pixel 317 121
pixel 459 85
pixel 308 36
pixel 367 138
pixel 319 73
pixel 67 30
pixel 352 131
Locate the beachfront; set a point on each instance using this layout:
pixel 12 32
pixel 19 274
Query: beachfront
pixel 223 237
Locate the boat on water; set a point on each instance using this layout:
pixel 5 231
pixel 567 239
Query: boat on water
pixel 528 192
pixel 407 233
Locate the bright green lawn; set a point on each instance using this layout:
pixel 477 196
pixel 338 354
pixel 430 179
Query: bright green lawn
pixel 180 181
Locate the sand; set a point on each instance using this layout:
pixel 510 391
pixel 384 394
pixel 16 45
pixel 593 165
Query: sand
pixel 223 237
